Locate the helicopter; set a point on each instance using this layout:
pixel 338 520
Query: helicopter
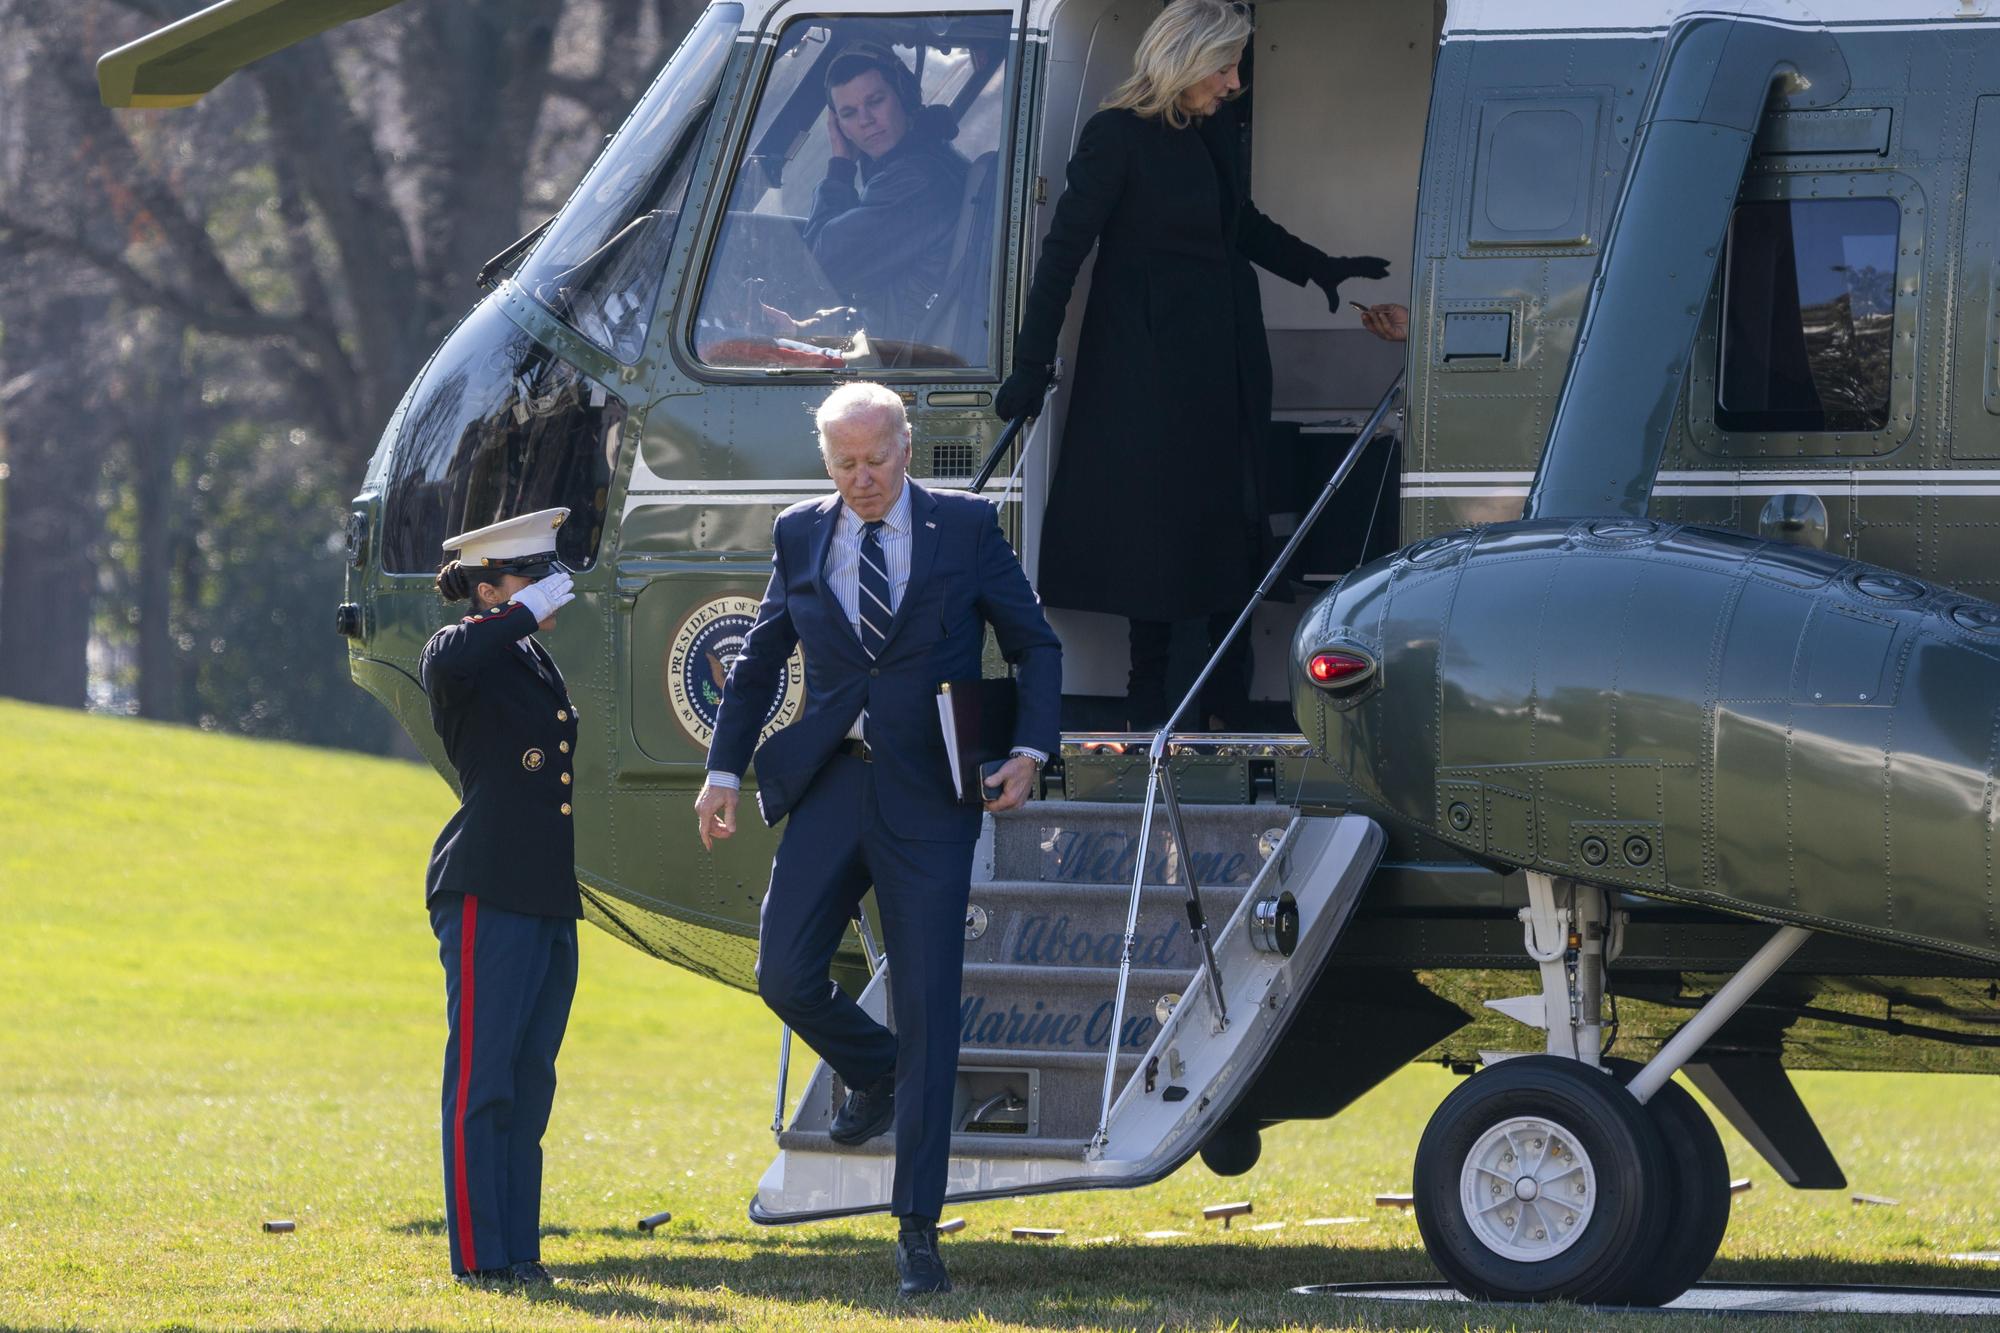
pixel 1645 726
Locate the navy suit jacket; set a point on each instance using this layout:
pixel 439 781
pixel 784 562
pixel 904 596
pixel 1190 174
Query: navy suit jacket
pixel 963 577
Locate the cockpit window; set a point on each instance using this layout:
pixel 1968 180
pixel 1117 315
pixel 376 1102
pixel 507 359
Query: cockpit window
pixel 863 217
pixel 498 427
pixel 1808 314
pixel 600 267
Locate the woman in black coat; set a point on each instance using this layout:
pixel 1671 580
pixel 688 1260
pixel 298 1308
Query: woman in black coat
pixel 1155 513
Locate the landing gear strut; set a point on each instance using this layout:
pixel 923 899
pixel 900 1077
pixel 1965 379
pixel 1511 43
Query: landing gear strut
pixel 1567 1176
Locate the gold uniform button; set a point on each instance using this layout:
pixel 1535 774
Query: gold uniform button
pixel 565 807
pixel 565 778
pixel 562 715
pixel 563 746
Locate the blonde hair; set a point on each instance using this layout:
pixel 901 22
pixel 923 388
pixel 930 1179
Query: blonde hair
pixel 1190 40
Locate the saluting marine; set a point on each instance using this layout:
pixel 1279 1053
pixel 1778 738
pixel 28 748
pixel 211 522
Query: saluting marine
pixel 502 886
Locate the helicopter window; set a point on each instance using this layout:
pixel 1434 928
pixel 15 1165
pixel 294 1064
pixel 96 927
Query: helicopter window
pixel 496 427
pixel 870 245
pixel 1808 305
pixel 600 267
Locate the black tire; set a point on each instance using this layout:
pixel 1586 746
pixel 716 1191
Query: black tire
pixel 1621 1146
pixel 1698 1211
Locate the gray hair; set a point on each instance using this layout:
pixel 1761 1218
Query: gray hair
pixel 1187 42
pixel 860 399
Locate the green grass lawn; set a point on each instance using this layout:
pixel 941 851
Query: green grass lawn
pixel 221 1003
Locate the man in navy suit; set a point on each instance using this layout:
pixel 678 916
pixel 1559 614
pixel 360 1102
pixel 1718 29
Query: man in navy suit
pixel 890 588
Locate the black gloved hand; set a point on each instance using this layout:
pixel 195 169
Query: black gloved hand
pixel 1329 271
pixel 1022 394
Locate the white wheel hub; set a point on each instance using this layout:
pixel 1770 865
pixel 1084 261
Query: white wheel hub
pixel 1528 1189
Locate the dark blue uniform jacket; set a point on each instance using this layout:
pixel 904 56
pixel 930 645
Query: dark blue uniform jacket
pixel 510 730
pixel 963 577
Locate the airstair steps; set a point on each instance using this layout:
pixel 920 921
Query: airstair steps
pixel 962 1145
pixel 1096 842
pixel 1044 934
pixel 1040 923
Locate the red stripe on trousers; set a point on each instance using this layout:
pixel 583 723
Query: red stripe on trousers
pixel 467 931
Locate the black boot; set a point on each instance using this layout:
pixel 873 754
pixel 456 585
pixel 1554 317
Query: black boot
pixel 919 1267
pixel 866 1112
pixel 1146 686
pixel 1225 702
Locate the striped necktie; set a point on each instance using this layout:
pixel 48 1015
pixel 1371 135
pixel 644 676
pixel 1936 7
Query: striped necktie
pixel 874 601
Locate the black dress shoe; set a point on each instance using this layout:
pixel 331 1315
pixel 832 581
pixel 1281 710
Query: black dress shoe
pixel 919 1267
pixel 530 1273
pixel 866 1112
pixel 485 1277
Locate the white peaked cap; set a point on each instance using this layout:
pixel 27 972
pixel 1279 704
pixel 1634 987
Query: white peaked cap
pixel 522 538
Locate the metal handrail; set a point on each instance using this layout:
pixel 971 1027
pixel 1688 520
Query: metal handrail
pixel 1162 741
pixel 992 462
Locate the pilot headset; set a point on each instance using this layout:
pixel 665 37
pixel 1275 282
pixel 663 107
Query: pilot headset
pixel 864 56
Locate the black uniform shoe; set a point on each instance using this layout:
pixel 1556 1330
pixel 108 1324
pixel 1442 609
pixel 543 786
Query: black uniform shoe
pixel 486 1277
pixel 866 1112
pixel 919 1268
pixel 531 1274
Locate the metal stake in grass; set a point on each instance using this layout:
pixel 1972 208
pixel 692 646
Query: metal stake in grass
pixel 656 1220
pixel 1225 1211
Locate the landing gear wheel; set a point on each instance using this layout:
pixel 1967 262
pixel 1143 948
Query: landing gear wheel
pixel 1698 1211
pixel 1541 1179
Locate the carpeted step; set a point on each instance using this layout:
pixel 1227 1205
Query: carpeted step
pixel 1088 842
pixel 962 1145
pixel 1037 923
pixel 1059 1008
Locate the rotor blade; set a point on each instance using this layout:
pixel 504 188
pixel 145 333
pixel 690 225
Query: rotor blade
pixel 180 62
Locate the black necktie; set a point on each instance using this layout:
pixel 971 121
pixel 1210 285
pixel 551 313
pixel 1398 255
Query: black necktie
pixel 874 600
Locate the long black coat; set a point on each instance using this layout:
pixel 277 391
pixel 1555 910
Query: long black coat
pixel 510 731
pixel 1155 505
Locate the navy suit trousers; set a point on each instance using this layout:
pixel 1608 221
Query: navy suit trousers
pixel 508 981
pixel 834 846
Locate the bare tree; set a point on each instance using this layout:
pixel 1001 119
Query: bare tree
pixel 307 232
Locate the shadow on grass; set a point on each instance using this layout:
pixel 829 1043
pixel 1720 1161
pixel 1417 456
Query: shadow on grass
pixel 1071 1286
pixel 776 1240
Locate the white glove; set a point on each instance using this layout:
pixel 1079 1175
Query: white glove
pixel 544 597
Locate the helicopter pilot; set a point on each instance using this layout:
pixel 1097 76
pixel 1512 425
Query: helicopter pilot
pixel 883 220
pixel 889 588
pixel 502 886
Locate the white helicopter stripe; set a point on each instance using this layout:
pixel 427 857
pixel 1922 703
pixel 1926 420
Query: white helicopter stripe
pixel 1824 477
pixel 1944 490
pixel 1542 20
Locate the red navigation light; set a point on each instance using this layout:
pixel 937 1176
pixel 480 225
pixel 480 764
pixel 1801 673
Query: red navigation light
pixel 1337 668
